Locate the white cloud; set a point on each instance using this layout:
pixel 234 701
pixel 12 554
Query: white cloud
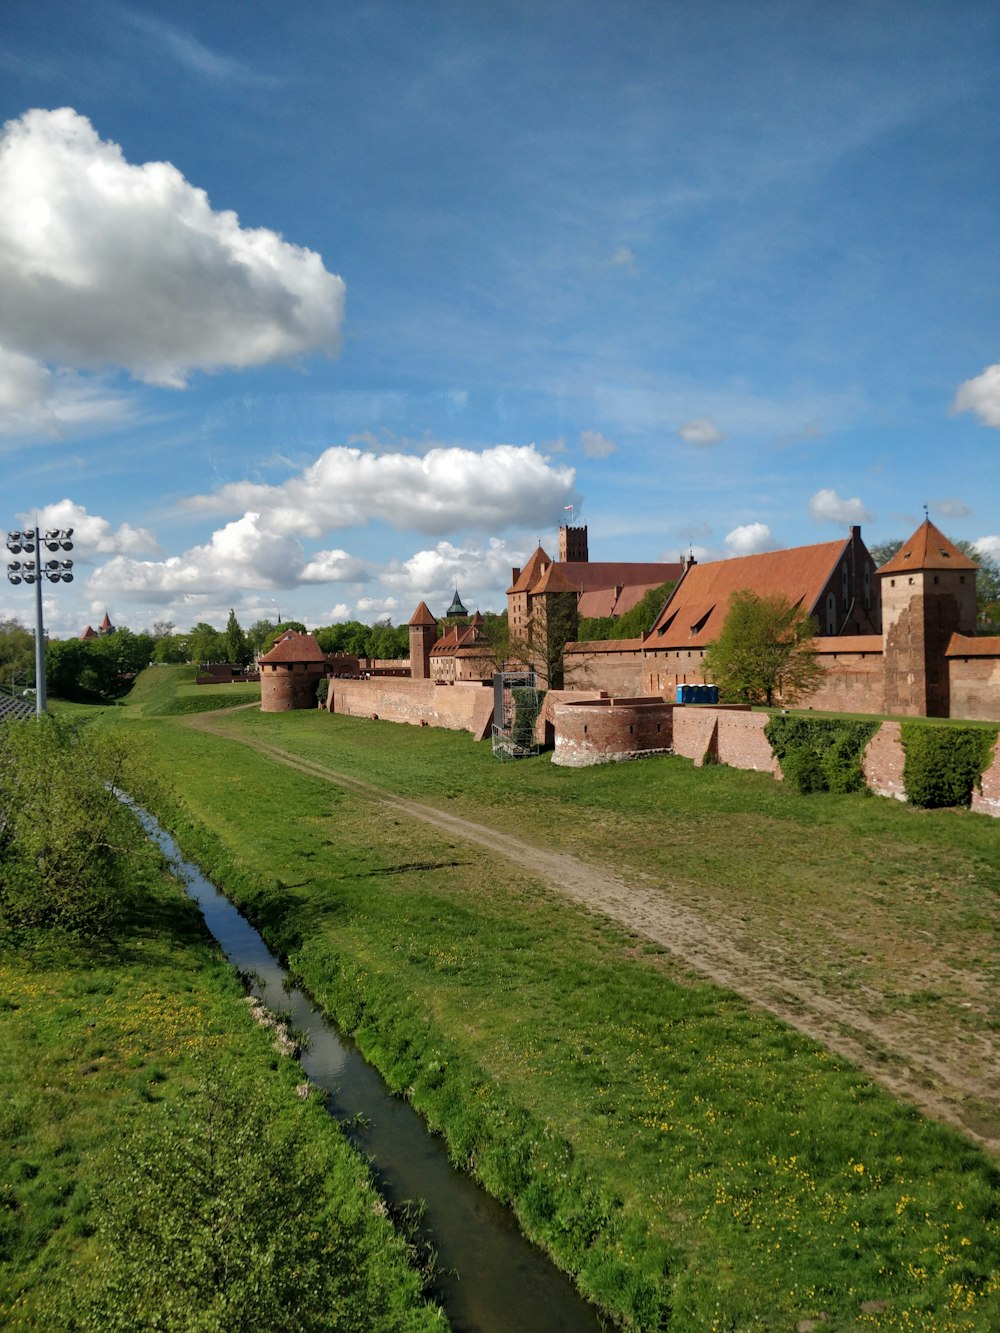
pixel 982 396
pixel 433 575
pixel 989 546
pixel 245 554
pixel 596 445
pixel 339 613
pixel 445 489
pixel 701 431
pixel 378 606
pixel 952 508
pixel 749 538
pixel 826 506
pixel 103 263
pixel 92 535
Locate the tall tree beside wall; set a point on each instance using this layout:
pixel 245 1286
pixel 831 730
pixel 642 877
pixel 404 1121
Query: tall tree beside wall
pixel 766 648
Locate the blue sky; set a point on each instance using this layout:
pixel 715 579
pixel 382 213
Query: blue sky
pixel 330 308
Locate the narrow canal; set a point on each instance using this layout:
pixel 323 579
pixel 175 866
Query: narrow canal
pixel 489 1279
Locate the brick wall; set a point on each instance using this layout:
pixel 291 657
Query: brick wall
pixel 616 671
pixel 882 762
pixel 987 801
pixel 854 683
pixel 417 702
pixel 975 687
pixel 544 727
pixel 607 730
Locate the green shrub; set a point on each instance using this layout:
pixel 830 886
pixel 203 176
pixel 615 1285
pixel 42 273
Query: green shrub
pixel 527 706
pixel 820 753
pixel 67 844
pixel 943 764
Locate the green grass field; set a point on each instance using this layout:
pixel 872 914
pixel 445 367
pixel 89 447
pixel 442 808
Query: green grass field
pixel 122 1060
pixel 697 1164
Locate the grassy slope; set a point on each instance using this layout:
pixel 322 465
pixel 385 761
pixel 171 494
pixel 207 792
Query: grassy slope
pixel 95 1042
pixel 670 1144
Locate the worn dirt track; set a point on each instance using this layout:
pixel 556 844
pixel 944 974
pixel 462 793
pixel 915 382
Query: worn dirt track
pixel 935 1081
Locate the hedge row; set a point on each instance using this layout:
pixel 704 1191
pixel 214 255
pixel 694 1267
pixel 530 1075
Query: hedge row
pixel 943 765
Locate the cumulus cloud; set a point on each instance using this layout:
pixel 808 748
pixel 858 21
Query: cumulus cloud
pixel 103 263
pixel 982 396
pixel 701 431
pixel 92 534
pixel 446 488
pixel 826 506
pixel 432 575
pixel 749 538
pixel 596 445
pixel 245 554
pixel 989 546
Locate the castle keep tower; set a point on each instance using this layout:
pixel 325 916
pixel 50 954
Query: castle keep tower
pixel 423 632
pixel 573 545
pixel 928 594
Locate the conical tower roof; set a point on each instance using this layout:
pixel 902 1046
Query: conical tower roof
pixel 928 548
pixel 422 616
pixel 456 608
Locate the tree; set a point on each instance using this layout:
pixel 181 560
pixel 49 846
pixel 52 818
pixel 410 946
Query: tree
pixel 766 648
pixel 206 644
pixel 17 653
pixel 633 624
pixel 238 650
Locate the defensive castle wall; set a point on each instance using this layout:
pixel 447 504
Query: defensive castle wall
pixel 422 703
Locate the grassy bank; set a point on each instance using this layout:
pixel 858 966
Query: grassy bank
pixel 698 1165
pixel 156 1166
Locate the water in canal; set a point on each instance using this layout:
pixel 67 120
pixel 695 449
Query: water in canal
pixel 489 1279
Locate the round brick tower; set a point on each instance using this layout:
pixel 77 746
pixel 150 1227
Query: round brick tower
pixel 290 672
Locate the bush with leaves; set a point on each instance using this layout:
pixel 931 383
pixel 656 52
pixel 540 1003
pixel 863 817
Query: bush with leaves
pixel 218 1214
pixel 819 753
pixel 67 845
pixel 944 764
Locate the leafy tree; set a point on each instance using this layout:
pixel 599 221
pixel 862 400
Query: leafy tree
pixel 17 653
pixel 386 642
pixel 882 552
pixel 163 629
pixel 765 648
pixel 68 668
pixel 206 644
pixel 170 648
pixel 257 634
pixel 238 650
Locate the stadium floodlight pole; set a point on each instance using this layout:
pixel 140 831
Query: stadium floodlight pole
pixel 30 542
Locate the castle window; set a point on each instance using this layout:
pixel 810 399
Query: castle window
pixel 892 583
pixel 935 578
pixel 961 578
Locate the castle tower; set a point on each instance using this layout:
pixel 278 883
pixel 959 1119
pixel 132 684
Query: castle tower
pixel 573 544
pixel 423 633
pixel 290 672
pixel 553 622
pixel 928 594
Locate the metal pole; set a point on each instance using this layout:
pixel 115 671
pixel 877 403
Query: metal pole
pixel 40 701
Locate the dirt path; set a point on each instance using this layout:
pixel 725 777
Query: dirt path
pixel 934 1080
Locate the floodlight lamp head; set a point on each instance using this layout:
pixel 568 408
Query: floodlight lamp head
pixel 67 577
pixel 14 547
pixel 13 578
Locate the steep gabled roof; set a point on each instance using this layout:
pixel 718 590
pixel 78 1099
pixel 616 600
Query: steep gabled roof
pixel 694 615
pixel 553 580
pixel 422 616
pixel 615 600
pixel 530 574
pixel 295 647
pixel 928 548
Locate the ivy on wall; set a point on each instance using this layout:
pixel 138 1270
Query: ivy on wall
pixel 944 764
pixel 820 753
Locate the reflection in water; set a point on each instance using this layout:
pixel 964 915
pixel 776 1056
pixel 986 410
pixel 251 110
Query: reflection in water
pixel 490 1280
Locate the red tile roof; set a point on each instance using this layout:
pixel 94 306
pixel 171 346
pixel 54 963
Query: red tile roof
pixel 553 580
pixel 969 645
pixel 694 614
pixel 530 573
pixel 422 616
pixel 295 647
pixel 615 601
pixel 928 548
